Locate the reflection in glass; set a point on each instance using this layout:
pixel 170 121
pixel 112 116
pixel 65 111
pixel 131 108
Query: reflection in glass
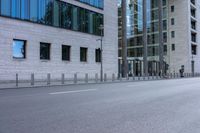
pixel 5 7
pixel 18 49
pixel 53 13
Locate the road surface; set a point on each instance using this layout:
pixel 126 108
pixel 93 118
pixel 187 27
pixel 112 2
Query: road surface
pixel 165 106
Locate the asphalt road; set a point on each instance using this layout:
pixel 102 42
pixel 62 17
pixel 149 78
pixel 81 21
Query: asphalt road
pixel 170 106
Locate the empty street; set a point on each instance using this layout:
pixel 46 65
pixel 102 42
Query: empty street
pixel 164 106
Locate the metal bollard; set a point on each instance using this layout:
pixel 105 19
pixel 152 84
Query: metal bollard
pixel 120 77
pixel 113 77
pixel 144 76
pixel 157 76
pixel 105 77
pixel 17 79
pixel 133 76
pixel 75 78
pixel 48 79
pixel 96 78
pixel 152 76
pixel 86 78
pixel 63 78
pixel 127 77
pixel 32 79
pixel 138 76
pixel 148 76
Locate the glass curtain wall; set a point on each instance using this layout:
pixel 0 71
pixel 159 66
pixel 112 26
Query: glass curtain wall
pixel 153 34
pixel 95 3
pixel 135 35
pixel 54 13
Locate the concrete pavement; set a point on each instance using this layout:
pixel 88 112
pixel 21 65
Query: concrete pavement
pixel 165 106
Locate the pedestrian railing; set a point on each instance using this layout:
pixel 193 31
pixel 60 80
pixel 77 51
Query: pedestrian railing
pixel 48 79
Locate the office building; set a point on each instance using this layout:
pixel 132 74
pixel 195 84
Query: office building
pixel 171 31
pixel 57 36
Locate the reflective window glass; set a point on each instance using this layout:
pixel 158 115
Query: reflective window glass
pixel 19 49
pixel 34 10
pixel 5 7
pixel 16 8
pixel 25 9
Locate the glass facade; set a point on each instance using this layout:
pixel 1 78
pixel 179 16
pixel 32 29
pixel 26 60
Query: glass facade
pixel 54 13
pixel 95 3
pixel 135 30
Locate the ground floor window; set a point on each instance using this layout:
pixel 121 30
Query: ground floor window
pixel 19 49
pixel 45 51
pixel 83 54
pixel 98 55
pixel 66 53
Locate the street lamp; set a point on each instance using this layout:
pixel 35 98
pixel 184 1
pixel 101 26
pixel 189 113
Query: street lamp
pixel 101 28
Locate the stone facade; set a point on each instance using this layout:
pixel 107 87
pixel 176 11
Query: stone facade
pixel 182 54
pixel 35 33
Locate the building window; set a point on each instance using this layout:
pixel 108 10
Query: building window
pixel 5 7
pixel 66 16
pixel 193 25
pixel 194 49
pixel 172 8
pixel 165 48
pixel 16 8
pixel 83 54
pixel 54 13
pixel 193 2
pixel 193 12
pixel 66 52
pixel 172 21
pixel 165 37
pixel 193 37
pixel 98 55
pixel 25 6
pixel 172 34
pixel 45 51
pixel 33 10
pixel 95 3
pixel 19 49
pixel 173 47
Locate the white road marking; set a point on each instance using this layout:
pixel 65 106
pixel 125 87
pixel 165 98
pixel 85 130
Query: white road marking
pixel 133 85
pixel 67 92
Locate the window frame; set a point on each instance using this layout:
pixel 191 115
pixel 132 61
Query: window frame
pixel 173 34
pixel 24 48
pixel 69 54
pixel 86 57
pixel 173 47
pixel 172 8
pixel 172 21
pixel 98 53
pixel 49 51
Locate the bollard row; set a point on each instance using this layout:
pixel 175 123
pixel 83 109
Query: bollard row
pixel 113 78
